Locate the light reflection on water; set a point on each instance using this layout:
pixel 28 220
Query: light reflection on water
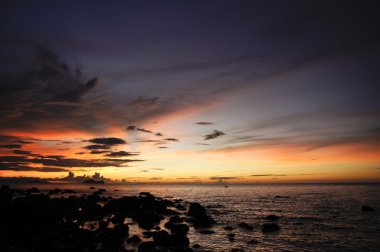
pixel 312 217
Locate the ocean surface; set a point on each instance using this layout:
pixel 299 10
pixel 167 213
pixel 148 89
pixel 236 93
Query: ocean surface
pixel 315 217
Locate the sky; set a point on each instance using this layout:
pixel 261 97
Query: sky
pixel 191 91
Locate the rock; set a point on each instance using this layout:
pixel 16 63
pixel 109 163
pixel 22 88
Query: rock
pixel 121 230
pixel 55 191
pixel 164 239
pixel 252 242
pixel 237 250
pixel 200 218
pixel 270 227
pixel 206 231
pixel 135 239
pixel 245 226
pixel 69 191
pixel 32 190
pixel 367 208
pixel 272 217
pixel 147 246
pixel 196 210
pixel 148 234
pixel 176 219
pixel 228 228
pixel 157 228
pixel 179 229
pixel 197 246
pixel 231 235
pixel 231 239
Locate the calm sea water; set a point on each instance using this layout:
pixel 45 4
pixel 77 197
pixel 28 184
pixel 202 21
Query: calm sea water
pixel 312 217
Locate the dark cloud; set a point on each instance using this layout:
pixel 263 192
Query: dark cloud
pixel 18 167
pixel 11 146
pixel 171 139
pixel 204 123
pixel 144 130
pixel 142 103
pixel 121 154
pixel 97 147
pixel 95 152
pixel 223 178
pixel 268 175
pixel 22 152
pixel 108 141
pixel 215 134
pixel 159 134
pixel 162 147
pixel 202 144
pixel 131 127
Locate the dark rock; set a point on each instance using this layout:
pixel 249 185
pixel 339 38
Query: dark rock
pixel 147 246
pixel 55 191
pixel 134 239
pixel 32 190
pixel 157 228
pixel 367 208
pixel 270 227
pixel 231 235
pixel 148 234
pixel 196 210
pixel 237 250
pixel 228 228
pixel 245 226
pixel 164 239
pixel 231 239
pixel 176 219
pixel 206 231
pixel 252 242
pixel 197 246
pixel 69 191
pixel 121 229
pixel 179 229
pixel 272 217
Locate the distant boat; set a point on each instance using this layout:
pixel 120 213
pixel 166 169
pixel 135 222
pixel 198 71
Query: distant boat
pixel 91 181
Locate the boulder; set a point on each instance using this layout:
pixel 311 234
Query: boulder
pixel 270 227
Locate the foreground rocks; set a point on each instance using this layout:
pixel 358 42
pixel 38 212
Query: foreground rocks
pixel 35 221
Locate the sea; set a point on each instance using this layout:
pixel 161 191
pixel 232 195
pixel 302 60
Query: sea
pixel 312 217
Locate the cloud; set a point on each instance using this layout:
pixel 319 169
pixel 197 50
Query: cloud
pixel 121 154
pixel 202 144
pixel 215 134
pixel 107 141
pixel 22 152
pixel 144 130
pixel 171 139
pixel 268 175
pixel 223 178
pixel 159 134
pixel 11 146
pixel 204 123
pixel 95 152
pixel 97 147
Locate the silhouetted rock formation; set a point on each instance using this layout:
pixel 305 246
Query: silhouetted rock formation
pixel 270 227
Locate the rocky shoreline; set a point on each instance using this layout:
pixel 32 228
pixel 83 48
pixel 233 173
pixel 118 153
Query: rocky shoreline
pixel 60 220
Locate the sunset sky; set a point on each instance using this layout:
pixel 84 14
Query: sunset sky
pixel 191 91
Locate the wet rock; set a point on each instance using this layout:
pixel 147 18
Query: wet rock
pixel 157 228
pixel 179 229
pixel 237 250
pixel 231 239
pixel 197 246
pixel 121 229
pixel 245 226
pixel 147 246
pixel 176 219
pixel 164 239
pixel 252 242
pixel 180 207
pixel 135 239
pixel 200 218
pixel 367 208
pixel 270 227
pixel 69 191
pixel 32 190
pixel 206 231
pixel 148 234
pixel 54 191
pixel 228 228
pixel 231 235
pixel 272 217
